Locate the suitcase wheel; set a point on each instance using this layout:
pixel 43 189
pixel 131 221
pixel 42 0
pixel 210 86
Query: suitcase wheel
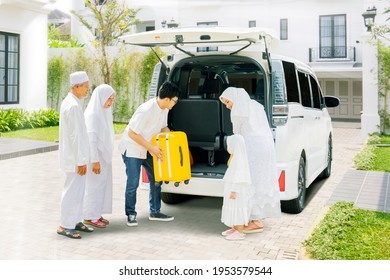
pixel 166 182
pixel 176 184
pixel 186 182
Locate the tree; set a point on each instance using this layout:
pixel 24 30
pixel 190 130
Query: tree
pixel 112 19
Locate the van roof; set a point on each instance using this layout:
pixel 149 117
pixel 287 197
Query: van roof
pixel 206 36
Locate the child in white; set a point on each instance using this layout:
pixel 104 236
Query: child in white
pixel 235 209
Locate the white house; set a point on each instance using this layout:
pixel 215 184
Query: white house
pixel 23 53
pixel 329 35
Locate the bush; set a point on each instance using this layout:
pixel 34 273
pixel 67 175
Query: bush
pixel 14 119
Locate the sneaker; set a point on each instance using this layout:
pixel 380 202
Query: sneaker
pixel 236 235
pixel 228 232
pixel 132 221
pixel 160 217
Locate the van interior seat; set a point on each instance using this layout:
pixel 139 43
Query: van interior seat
pixel 201 120
pixel 210 89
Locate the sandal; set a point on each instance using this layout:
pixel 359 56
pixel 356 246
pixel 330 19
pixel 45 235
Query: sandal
pixel 81 227
pixel 105 221
pixel 98 223
pixel 71 233
pixel 253 227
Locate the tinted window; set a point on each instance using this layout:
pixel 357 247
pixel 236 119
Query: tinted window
pixel 291 82
pixel 305 89
pixel 315 91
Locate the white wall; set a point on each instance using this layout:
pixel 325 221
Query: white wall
pixel 31 25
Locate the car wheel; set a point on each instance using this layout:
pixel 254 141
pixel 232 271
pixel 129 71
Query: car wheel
pixel 328 170
pixel 296 205
pixel 173 198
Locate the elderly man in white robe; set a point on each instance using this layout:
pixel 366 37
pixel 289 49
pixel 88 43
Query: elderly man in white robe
pixel 74 156
pixel 100 128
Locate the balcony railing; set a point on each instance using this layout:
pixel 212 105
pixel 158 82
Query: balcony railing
pixel 332 54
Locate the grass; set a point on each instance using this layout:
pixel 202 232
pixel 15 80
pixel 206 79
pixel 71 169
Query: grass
pixel 48 134
pixel 349 233
pixel 374 156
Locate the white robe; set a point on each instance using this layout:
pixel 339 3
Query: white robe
pixel 73 152
pixel 237 179
pixel 249 119
pixel 99 122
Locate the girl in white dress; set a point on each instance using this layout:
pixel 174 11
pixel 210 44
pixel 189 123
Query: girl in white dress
pixel 235 210
pixel 100 128
pixel 249 119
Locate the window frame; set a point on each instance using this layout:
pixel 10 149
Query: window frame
pixel 283 29
pixel 6 68
pixel 332 53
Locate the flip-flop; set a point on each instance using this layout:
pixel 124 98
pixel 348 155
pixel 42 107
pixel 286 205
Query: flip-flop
pixel 81 227
pixel 69 233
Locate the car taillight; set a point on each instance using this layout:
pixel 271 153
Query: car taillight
pixel 145 178
pixel 282 181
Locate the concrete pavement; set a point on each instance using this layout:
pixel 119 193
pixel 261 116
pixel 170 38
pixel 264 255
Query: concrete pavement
pixel 31 188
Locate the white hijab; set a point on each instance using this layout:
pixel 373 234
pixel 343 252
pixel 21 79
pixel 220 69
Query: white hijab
pixel 241 101
pixel 245 107
pixel 238 170
pixel 99 120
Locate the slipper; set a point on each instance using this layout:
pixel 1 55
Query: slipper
pixel 98 223
pixel 253 228
pixel 105 221
pixel 69 233
pixel 81 227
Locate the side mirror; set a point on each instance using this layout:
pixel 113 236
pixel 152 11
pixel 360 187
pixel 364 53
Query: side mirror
pixel 331 101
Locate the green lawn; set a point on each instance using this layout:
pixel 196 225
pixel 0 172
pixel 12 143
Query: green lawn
pixel 349 233
pixel 49 134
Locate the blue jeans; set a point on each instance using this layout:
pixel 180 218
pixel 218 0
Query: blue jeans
pixel 133 170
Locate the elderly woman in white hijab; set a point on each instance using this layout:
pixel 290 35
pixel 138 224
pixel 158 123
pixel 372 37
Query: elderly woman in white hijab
pixel 100 128
pixel 249 119
pixel 235 209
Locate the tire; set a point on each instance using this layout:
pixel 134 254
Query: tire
pixel 173 198
pixel 296 205
pixel 328 170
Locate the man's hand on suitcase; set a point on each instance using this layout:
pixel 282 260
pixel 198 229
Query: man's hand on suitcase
pixel 158 152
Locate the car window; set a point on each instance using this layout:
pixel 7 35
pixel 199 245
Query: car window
pixel 315 93
pixel 291 82
pixel 305 89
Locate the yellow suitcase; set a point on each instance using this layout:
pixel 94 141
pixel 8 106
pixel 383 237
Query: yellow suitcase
pixel 175 166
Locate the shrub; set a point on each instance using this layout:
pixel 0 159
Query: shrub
pixel 14 119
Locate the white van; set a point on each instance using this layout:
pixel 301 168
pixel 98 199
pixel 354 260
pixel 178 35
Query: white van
pixel 288 89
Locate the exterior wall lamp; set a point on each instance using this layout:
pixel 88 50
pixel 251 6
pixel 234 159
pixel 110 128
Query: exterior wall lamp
pixel 369 18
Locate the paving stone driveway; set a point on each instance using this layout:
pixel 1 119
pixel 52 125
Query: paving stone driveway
pixel 31 186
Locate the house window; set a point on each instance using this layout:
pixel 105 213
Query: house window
pixel 333 39
pixel 9 68
pixel 283 29
pixel 252 23
pixel 207 24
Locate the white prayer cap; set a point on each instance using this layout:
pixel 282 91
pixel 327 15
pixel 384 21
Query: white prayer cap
pixel 77 78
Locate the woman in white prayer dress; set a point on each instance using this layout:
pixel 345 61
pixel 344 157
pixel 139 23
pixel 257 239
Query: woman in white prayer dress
pixel 249 119
pixel 100 129
pixel 237 179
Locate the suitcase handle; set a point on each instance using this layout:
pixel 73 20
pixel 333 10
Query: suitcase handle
pixel 181 156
